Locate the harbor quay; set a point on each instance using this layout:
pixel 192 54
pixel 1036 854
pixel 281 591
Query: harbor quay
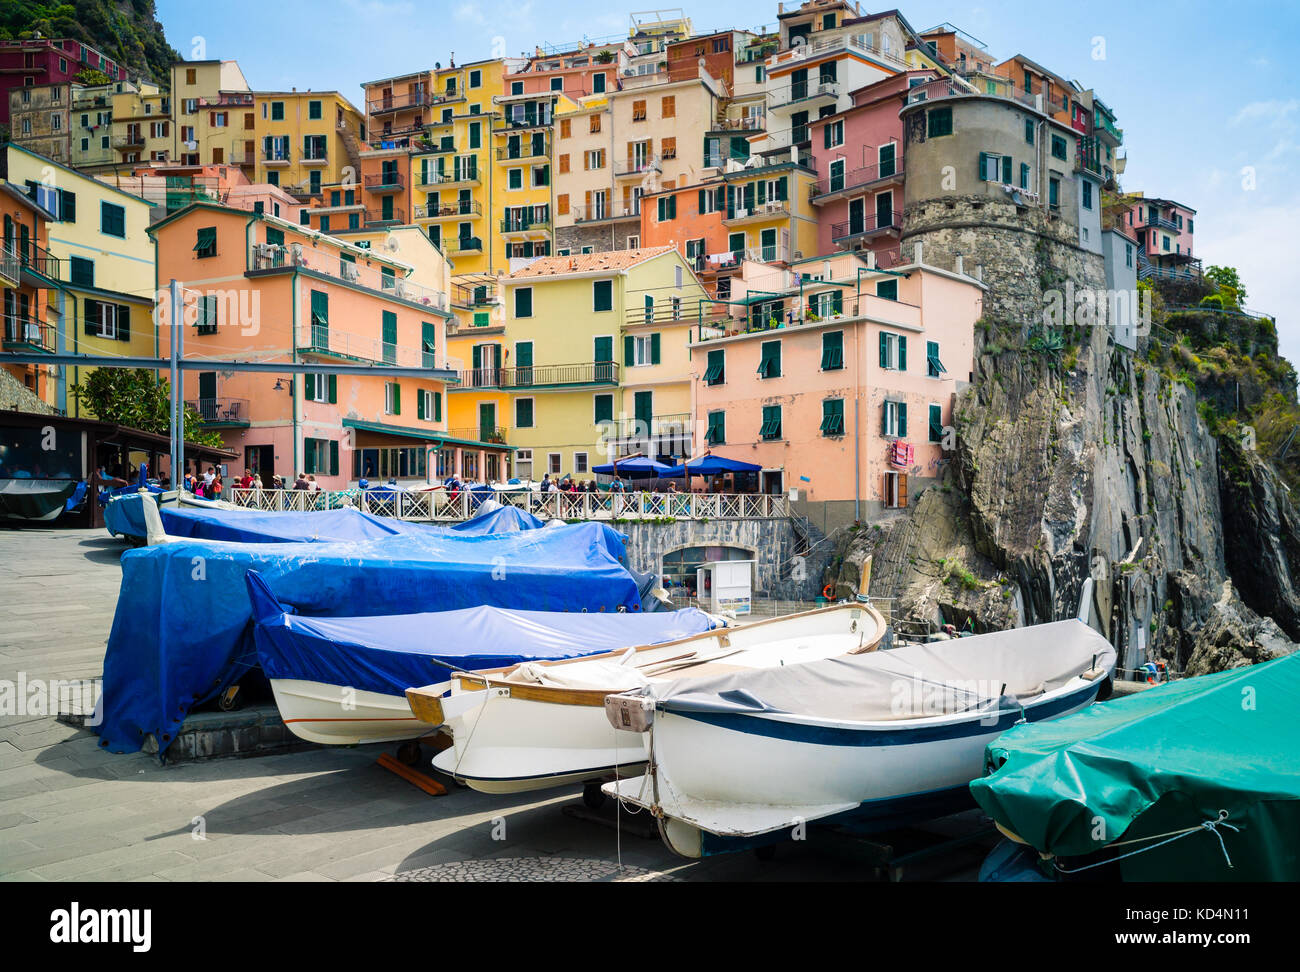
pixel 71 811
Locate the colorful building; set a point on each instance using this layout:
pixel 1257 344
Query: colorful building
pixel 42 61
pixel 301 140
pixel 27 275
pixel 258 286
pixel 210 102
pixel 837 378
pixel 1164 230
pixel 99 262
pixel 141 124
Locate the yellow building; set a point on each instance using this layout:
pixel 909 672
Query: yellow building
pixel 101 264
pixel 568 322
pixel 522 188
pixel 92 125
pixel 210 102
pixel 141 123
pixel 300 140
pixel 768 215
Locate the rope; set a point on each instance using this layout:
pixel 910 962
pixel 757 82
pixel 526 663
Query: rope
pixel 1210 825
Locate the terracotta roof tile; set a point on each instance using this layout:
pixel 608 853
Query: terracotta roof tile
pixel 588 262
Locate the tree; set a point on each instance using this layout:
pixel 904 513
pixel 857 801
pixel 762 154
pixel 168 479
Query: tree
pixel 134 397
pixel 91 77
pixel 1229 284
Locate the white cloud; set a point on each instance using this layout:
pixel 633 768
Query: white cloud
pixel 1277 112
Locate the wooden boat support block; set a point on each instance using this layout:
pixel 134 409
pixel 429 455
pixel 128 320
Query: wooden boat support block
pixel 412 776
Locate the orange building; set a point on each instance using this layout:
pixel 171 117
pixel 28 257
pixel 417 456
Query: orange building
pixel 28 273
pixel 690 219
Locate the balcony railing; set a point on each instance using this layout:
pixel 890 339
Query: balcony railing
pixel 715 263
pixel 439 146
pixel 277 156
pixel 271 256
pixel 528 119
pixel 377 217
pixel 221 411
pixel 461 207
pixel 465 173
pixel 494 434
pixel 779 98
pixel 416 99
pixel 525 150
pixel 765 210
pixel 327 341
pixel 541 376
pixel 675 425
pixel 464 244
pixel 592 214
pixel 1162 222
pixel 11 265
pixel 513 224
pixel 869 225
pixel 27 333
pixel 717 322
pixel 857 43
pixel 854 178
pixel 33 258
pixel 130 140
pixel 749 123
pixel 379 181
pixel 480 295
pixel 946 88
pixel 634 167
pixel 663 312
pixel 315 157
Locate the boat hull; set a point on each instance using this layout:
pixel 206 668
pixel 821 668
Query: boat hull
pixel 728 781
pixel 335 715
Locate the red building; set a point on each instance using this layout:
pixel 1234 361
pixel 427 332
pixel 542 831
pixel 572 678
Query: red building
pixel 25 63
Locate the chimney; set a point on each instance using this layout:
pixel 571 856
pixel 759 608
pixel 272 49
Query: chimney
pixel 959 268
pixel 918 258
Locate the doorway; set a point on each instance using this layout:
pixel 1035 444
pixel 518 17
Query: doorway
pixel 260 460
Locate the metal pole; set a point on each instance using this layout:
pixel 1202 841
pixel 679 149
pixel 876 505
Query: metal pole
pixel 178 411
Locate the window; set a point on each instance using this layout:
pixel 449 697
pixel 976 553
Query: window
pixel 516 87
pixel 1029 130
pixel 515 179
pixel 553 463
pixel 832 417
pixel 389 337
pixel 82 271
pixel 769 365
pixel 1128 254
pixel 112 220
pixel 995 168
pixel 320 456
pixel 392 398
pixel 638 111
pixel 1054 193
pixel 895 494
pixel 1024 175
pixel 939 122
pixel 595 124
pixel 668 148
pixel 277 111
pixel 566 128
pixel 191 76
pixel 887 289
pixel 56 122
pixel 771 427
pixel 716 372
pixel 541 176
pixel 523 302
pixel 580 463
pixel 667 207
pixel 476 78
pixel 1087 194
pixel 594 159
pixel 523 413
pixel 1058 147
pixel 893 351
pixel 602 408
pixel 894 422
pixel 598 84
pixel 207 318
pixel 936 423
pixel 832 350
pixel 320 388
pixel 602 295
pixel 833 134
pixel 668 106
pixel 717 429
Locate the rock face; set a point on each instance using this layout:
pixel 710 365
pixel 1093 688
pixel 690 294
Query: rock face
pixel 1080 460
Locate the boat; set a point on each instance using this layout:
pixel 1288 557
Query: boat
pixel 1197 779
pixel 542 724
pixel 34 500
pixel 342 680
pixel 872 741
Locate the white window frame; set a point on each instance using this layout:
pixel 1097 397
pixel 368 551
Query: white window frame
pixel 320 391
pixel 634 242
pixel 891 350
pixel 580 464
pixel 836 127
pixel 388 397
pixel 106 326
pixel 641 351
pixel 554 463
pixel 427 396
pixel 677 306
pixel 891 418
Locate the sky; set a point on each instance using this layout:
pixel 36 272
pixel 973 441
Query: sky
pixel 1209 107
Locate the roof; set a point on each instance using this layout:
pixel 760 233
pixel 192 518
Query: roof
pixel 27 201
pixel 590 262
pixel 14 146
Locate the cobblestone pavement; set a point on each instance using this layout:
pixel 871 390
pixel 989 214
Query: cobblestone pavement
pixel 70 811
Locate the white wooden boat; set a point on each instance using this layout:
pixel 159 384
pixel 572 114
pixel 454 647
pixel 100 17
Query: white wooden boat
pixel 878 740
pixel 543 724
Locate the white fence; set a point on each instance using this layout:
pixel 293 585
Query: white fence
pixel 437 504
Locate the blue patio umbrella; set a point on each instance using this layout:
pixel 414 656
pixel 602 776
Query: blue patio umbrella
pixel 710 465
pixel 638 467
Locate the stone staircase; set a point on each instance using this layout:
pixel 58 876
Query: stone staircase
pixel 352 146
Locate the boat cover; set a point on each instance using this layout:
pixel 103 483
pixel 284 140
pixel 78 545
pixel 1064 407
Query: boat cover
pixel 181 631
pixel 1157 762
pixel 915 681
pixel 493 517
pixel 124 515
pixel 392 653
pixel 33 499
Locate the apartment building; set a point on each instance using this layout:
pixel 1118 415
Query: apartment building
pixel 210 101
pixel 91 141
pixel 301 140
pixel 41 119
pixel 40 61
pixel 27 276
pixel 141 124
pixel 256 285
pixel 1164 230
pixel 838 378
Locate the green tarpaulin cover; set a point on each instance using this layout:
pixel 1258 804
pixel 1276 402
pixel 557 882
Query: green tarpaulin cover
pixel 1161 761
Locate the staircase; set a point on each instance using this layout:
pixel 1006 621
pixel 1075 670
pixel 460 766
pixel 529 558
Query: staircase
pixel 352 146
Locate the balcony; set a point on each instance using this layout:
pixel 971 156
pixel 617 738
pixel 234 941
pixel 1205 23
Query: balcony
pixel 528 119
pixel 855 44
pixel 674 425
pixel 327 263
pixel 772 209
pixel 1161 222
pixel 514 226
pixel 11 266
pixel 463 175
pixel 947 88
pixel 731 260
pixel 377 217
pixel 541 376
pixel 442 146
pixel 131 140
pixel 324 341
pixel 749 123
pixel 464 245
pixel 493 434
pixel 389 181
pixel 478 295
pixel 276 158
pixel 1104 126
pixel 228 412
pixel 531 149
pixel 664 312
pixel 242 155
pixel 28 258
pixel 29 334
pixel 877 175
pixel 320 158
pixel 868 227
pixel 461 208
pixel 634 167
pixel 597 214
pixel 807 94
pixel 391 103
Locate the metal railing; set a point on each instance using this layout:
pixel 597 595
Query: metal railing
pixel 674 425
pixel 515 225
pixel 221 411
pixel 418 99
pixel 534 376
pixel 327 340
pixel 464 244
pixel 37 259
pixel 439 505
pixel 495 435
pixel 271 256
pixel 631 167
pixel 765 209
pixel 663 312
pixel 525 150
pixel 28 332
pixel 591 214
pixel 384 180
pixel 855 42
pixel 947 88
pixel 863 176
pixel 461 207
pixel 277 155
pixel 805 91
pixel 869 224
pixel 465 173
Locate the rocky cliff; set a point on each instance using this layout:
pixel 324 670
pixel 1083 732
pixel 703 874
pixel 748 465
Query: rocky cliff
pixel 1077 458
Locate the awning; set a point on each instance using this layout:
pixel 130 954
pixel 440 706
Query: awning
pixel 711 465
pixel 426 435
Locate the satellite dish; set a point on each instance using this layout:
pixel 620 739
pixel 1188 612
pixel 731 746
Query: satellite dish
pixel 391 243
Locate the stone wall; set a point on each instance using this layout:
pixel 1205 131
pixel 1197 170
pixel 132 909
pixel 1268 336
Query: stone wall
pixel 601 237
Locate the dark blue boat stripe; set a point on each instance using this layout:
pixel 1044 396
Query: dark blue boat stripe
pixel 902 736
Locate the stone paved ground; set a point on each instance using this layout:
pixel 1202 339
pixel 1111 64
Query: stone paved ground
pixel 71 811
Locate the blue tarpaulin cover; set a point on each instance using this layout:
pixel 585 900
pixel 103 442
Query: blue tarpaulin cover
pixel 181 632
pixel 253 526
pixel 124 515
pixel 392 653
pixel 495 518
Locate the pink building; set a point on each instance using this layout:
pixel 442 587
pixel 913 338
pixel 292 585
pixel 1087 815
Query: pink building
pixel 838 378
pixel 27 63
pixel 859 161
pixel 1164 232
pixel 576 74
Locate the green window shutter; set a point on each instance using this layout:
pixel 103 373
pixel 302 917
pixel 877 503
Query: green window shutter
pixel 936 423
pixel 524 413
pixel 524 302
pixel 334 457
pixel 770 364
pixel 826 136
pixel 771 427
pixel 781 192
pixel 629 354
pixel 603 408
pixel 760 190
pixel 333 389
pixel 888 289
pixel 437 406
pixel 837 302
pixel 320 308
pixel 717 431
pixel 419 405
pixel 603 295
pixel 1006 169
pixel 90 316
pixel 603 349
pixel 428 344
pixel 716 373
pixel 397 398
pixel 654 348
pixel 933 364
pixel 884 418
pixel 902 353
pixel 309 455
pixel 832 416
pixel 123 322
pixel 701 205
pixel 902 420
pixel 274 235
pixel 832 350
pixel 884 351
pixel 643 407
pixel 983 167
pixel 67 206
pixel 309 386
